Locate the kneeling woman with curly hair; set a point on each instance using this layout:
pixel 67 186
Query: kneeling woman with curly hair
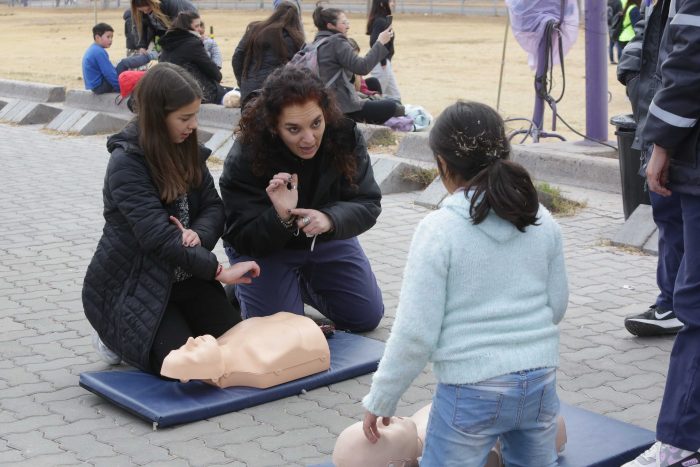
pixel 298 189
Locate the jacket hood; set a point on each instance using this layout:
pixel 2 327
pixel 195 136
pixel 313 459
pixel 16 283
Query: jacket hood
pixel 127 139
pixel 493 226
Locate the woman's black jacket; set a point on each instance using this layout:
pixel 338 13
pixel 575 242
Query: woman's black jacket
pixel 152 26
pixel 379 24
pixel 259 67
pixel 128 281
pixel 252 225
pixel 184 48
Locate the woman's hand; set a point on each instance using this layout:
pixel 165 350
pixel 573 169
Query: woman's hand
pixel 312 222
pixel 282 191
pixel 239 273
pixel 189 236
pixel 369 426
pixel 143 51
pixel 386 35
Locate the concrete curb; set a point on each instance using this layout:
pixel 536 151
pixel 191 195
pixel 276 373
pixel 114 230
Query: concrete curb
pixel 28 112
pixel 566 163
pixel 639 231
pixel 433 195
pixel 571 163
pixel 38 92
pixel 377 134
pixel 390 173
pixel 88 100
pixel 576 164
pixel 218 116
pixel 87 122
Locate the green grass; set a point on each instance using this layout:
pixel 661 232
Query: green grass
pixel 551 197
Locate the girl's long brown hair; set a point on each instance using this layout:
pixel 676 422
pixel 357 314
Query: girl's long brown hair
pixel 269 34
pixel 137 16
pixel 175 168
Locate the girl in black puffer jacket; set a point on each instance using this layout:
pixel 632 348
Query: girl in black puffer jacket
pixel 153 281
pixel 183 46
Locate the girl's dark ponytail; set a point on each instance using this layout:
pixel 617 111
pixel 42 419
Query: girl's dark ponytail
pixel 507 188
pixel 470 138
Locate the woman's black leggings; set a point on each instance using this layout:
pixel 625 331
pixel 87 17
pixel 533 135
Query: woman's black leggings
pixel 196 307
pixel 378 111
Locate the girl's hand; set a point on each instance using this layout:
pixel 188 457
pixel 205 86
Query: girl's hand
pixel 143 51
pixel 282 191
pixel 312 222
pixel 189 236
pixel 239 273
pixel 386 35
pixel 369 426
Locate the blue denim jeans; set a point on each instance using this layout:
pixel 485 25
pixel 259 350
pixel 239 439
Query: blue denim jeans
pixel 466 420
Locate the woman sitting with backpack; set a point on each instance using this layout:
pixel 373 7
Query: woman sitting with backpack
pixel 338 64
pixel 183 46
pixel 265 46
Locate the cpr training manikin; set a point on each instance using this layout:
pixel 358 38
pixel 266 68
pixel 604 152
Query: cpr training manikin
pixel 258 352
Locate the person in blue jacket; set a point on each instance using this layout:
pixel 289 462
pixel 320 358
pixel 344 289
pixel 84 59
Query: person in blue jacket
pixel 672 128
pixel 637 71
pixel 99 75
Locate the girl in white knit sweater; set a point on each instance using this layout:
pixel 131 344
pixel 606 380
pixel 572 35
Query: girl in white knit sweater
pixel 483 291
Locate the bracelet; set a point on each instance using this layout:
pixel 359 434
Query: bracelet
pixel 219 268
pixel 289 223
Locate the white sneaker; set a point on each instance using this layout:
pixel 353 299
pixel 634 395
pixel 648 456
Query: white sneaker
pixel 103 351
pixel 665 455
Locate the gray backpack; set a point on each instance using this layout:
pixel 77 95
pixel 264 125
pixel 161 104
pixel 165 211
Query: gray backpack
pixel 307 58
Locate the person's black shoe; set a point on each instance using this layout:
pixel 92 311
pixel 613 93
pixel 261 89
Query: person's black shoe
pixel 653 322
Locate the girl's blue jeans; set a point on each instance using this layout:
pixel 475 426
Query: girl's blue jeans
pixel 519 408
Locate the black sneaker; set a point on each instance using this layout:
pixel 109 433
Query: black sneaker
pixel 653 322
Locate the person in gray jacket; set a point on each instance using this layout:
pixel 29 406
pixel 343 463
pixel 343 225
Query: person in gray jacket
pixel 338 64
pixel 672 129
pixel 637 71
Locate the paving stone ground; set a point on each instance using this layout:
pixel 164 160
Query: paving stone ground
pixel 50 223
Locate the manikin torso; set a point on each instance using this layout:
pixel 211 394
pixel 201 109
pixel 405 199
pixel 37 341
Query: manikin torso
pixel 258 352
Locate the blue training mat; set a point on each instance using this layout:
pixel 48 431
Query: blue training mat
pixel 595 440
pixel 167 403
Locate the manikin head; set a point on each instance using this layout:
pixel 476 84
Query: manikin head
pixel 401 443
pixel 398 446
pixel 200 358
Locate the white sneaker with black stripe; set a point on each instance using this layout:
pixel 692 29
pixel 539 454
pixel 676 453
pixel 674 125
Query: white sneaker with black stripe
pixel 653 322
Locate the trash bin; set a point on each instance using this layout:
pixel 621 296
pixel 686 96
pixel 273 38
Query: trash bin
pixel 633 190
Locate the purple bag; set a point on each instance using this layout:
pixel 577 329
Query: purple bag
pixel 400 123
